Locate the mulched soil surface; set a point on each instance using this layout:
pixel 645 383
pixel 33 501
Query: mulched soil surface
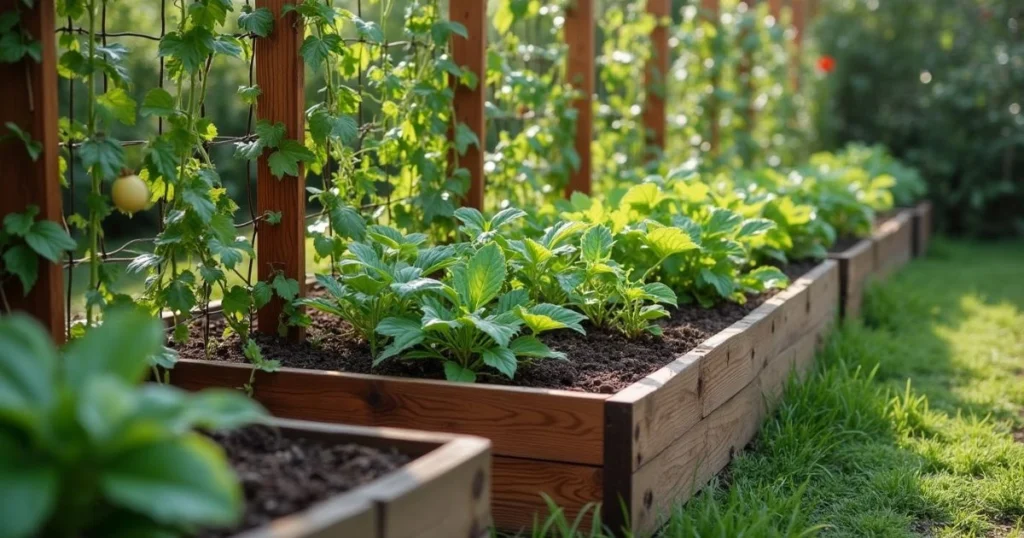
pixel 599 362
pixel 282 476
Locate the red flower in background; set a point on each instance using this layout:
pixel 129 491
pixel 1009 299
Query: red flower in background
pixel 826 64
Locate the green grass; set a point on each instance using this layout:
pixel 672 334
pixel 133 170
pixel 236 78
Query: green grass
pixel 906 428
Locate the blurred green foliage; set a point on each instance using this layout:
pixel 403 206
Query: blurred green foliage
pixel 941 83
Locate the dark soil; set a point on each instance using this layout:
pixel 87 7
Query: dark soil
pixel 601 361
pixel 282 476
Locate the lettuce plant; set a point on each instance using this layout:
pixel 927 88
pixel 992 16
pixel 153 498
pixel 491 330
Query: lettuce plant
pixel 380 277
pixel 87 451
pixel 471 325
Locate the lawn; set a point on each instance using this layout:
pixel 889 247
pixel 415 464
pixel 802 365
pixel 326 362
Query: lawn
pixel 906 428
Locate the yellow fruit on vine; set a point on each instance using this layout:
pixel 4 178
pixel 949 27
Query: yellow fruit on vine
pixel 130 194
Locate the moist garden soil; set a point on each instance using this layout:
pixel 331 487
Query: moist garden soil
pixel 602 361
pixel 284 475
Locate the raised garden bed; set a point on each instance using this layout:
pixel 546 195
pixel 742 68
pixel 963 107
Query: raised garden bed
pixel 649 444
pixel 923 227
pixel 894 243
pixel 441 491
pixel 889 248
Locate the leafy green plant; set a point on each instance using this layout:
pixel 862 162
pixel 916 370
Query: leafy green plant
pixel 86 451
pixel 380 278
pixel 471 325
pixel 23 240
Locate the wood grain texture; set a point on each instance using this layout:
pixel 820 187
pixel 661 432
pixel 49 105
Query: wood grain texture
pixel 670 478
pixel 579 37
pixel 894 243
pixel 281 248
pixel 655 119
pixel 443 492
pixel 471 53
pixel 729 429
pixel 922 228
pixel 522 422
pixel 856 265
pixel 797 358
pixel 28 98
pixel 518 484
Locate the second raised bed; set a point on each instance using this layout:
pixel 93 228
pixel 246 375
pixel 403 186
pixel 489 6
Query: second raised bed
pixel 649 445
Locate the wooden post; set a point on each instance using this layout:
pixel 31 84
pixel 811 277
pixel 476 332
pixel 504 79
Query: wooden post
pixel 579 36
pixel 655 120
pixel 281 248
pixel 28 98
pixel 775 8
pixel 712 114
pixel 471 53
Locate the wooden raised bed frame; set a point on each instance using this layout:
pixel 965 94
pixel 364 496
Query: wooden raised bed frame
pixel 650 445
pixel 444 492
pixel 888 249
pixel 923 226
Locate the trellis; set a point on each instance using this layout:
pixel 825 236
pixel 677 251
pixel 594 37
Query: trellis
pixel 29 97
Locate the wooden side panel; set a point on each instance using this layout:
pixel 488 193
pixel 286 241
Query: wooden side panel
pixel 445 493
pixel 280 73
pixel 542 424
pixel 655 119
pixel 518 484
pixel 922 228
pixel 893 243
pixel 729 429
pixel 579 37
pixel 28 99
pixel 471 53
pixel 856 265
pixel 798 357
pixel 671 477
pixel 347 515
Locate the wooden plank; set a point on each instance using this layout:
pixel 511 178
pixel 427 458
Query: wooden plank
pixel 281 248
pixel 579 37
pixel 922 227
pixel 729 429
pixel 519 483
pixel 28 99
pixel 523 422
pixel 655 119
pixel 471 54
pixel 443 492
pixel 893 243
pixel 798 357
pixel 856 264
pixel 670 478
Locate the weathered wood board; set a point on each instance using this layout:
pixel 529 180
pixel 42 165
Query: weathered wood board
pixel 923 228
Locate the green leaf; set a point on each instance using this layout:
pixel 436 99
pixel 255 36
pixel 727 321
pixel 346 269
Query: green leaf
pixel 643 196
pixel 184 482
pixel 722 221
pixel 722 284
pixel 501 359
pixel 22 262
pixel 596 244
pixel 499 332
pixel 661 293
pixel 259 21
pixel 769 277
pixel 472 220
pixel 755 227
pixel 120 347
pixel 28 491
pixel 454 371
pixel 117 104
pixel 49 240
pixel 19 224
pixel 102 156
pixel 418 285
pixel 261 294
pixel 158 102
pixel 482 278
pixel 162 161
pixel 27 367
pixel 316 49
pixel 506 216
pixel 236 301
pixel 285 161
pixel 667 241
pixel 405 334
pixel 270 134
pixel 464 138
pixel 201 204
pixel 286 288
pixel 249 94
pixel 530 346
pixel 191 47
pixel 549 317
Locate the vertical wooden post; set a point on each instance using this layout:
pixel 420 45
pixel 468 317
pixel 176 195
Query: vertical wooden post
pixel 28 98
pixel 712 114
pixel 281 248
pixel 471 53
pixel 655 120
pixel 579 36
pixel 799 12
pixel 775 8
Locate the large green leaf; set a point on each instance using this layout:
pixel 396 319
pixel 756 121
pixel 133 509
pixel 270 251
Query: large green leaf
pixel 643 196
pixel 180 482
pixel 501 359
pixel 499 332
pixel 405 333
pixel 28 491
pixel 531 346
pixel 549 317
pixel 755 227
pixel 120 347
pixel 454 371
pixel 27 363
pixel 596 244
pixel 722 221
pixel 660 293
pixel 667 241
pixel 482 278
